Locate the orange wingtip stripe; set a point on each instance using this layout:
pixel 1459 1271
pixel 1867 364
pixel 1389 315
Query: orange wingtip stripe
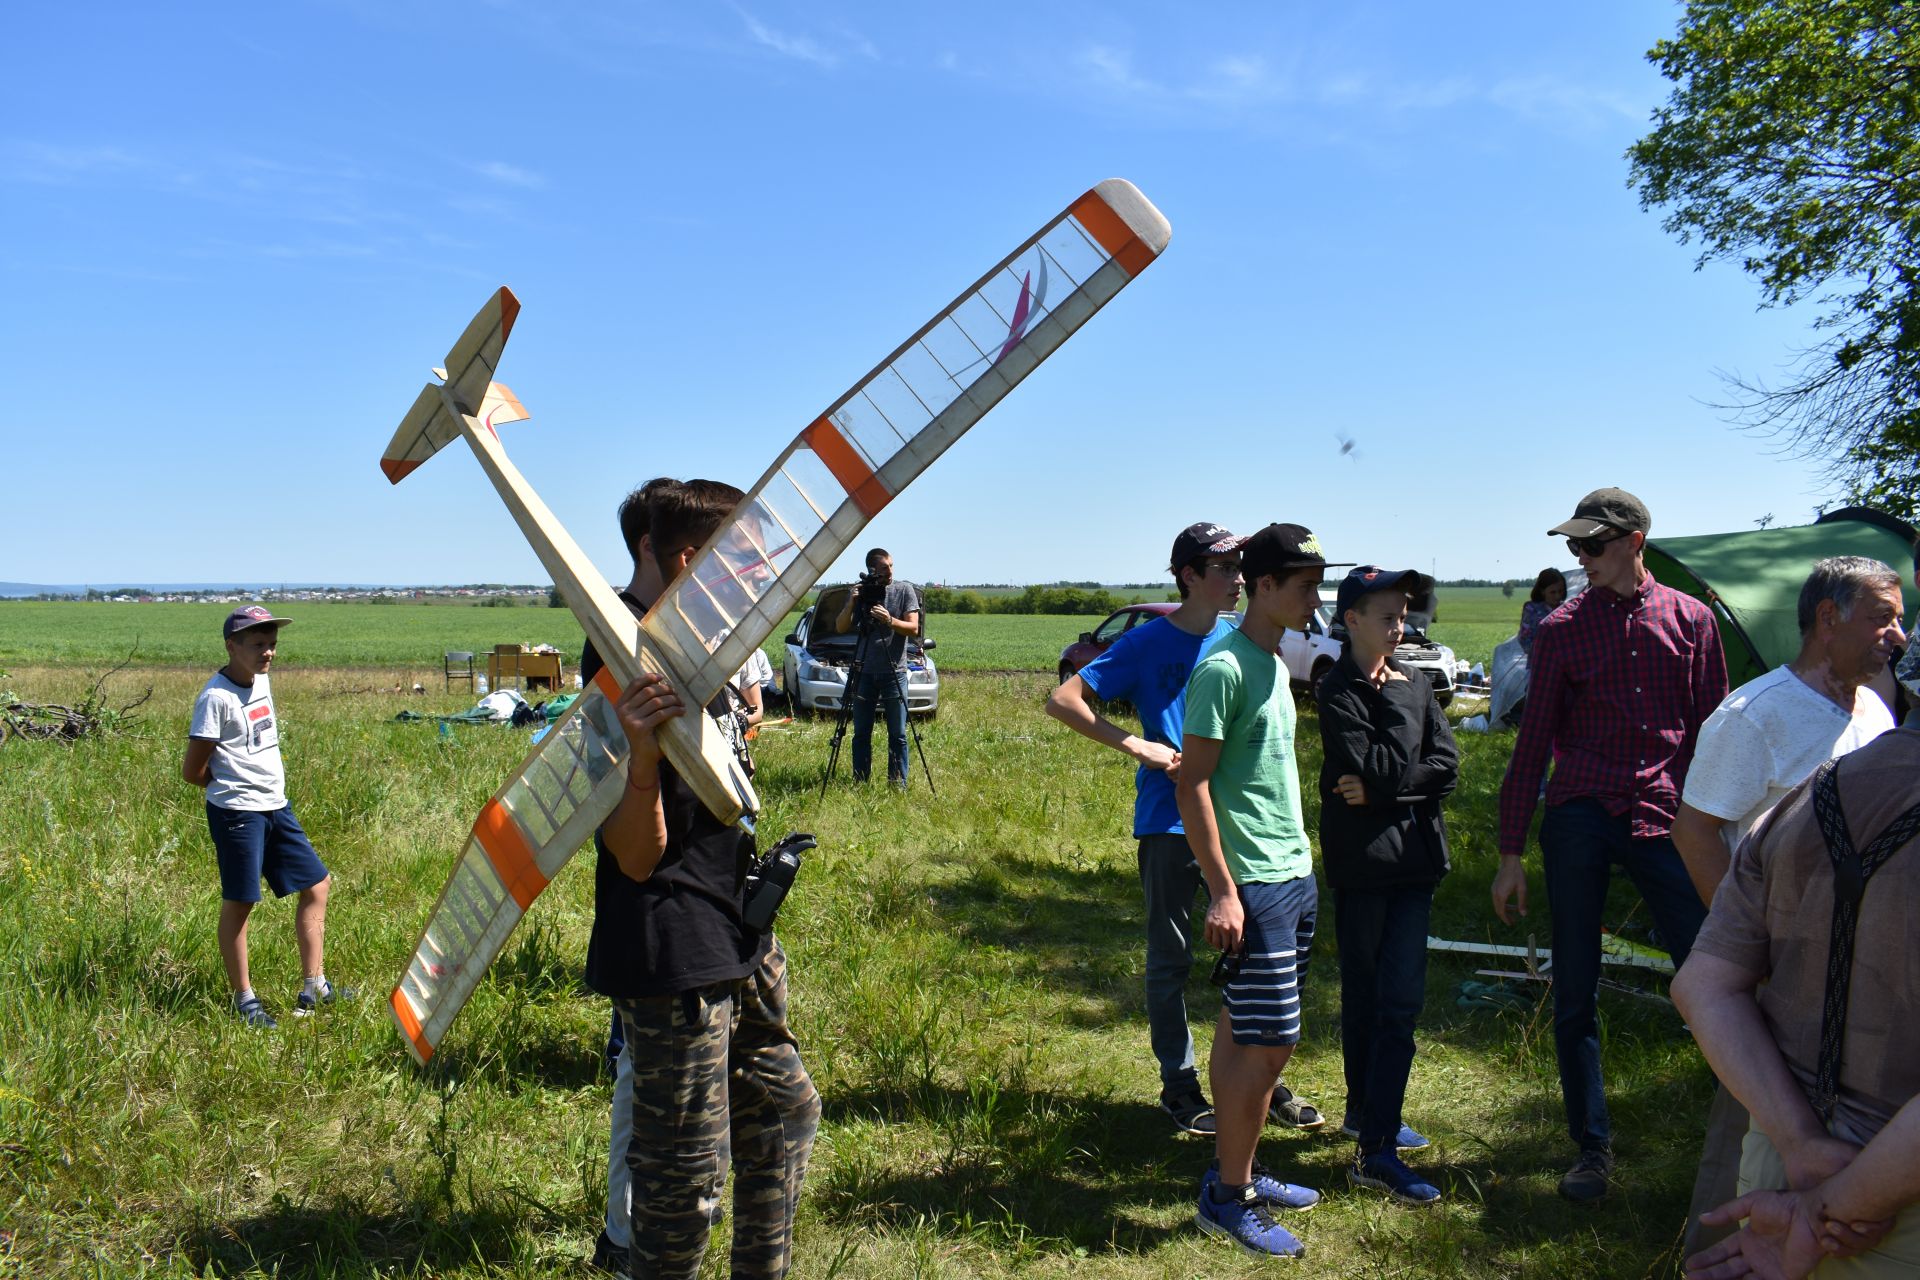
pixel 848 467
pixel 1114 235
pixel 398 469
pixel 508 851
pixel 609 687
pixel 509 308
pixel 409 1024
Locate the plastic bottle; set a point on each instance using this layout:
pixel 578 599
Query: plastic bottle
pixel 480 685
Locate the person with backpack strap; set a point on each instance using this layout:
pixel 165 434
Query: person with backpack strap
pixel 1803 990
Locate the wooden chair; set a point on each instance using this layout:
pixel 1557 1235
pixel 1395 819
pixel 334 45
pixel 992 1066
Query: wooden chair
pixel 459 666
pixel 506 665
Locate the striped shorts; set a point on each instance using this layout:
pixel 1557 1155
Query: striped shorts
pixel 1263 999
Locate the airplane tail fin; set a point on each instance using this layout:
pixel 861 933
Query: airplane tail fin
pixel 469 389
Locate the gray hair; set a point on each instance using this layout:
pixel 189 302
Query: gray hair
pixel 1841 579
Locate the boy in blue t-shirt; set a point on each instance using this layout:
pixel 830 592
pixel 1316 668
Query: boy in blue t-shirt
pixel 1148 666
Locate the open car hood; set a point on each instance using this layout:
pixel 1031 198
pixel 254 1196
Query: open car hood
pixel 837 647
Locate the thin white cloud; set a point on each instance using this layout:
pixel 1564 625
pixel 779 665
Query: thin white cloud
pixel 1545 97
pixel 1113 68
pixel 59 163
pixel 510 175
pixel 1231 86
pixel 803 48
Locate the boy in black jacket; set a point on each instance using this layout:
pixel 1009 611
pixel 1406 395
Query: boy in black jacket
pixel 1389 759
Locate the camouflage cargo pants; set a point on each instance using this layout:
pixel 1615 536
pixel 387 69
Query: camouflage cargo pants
pixel 717 1076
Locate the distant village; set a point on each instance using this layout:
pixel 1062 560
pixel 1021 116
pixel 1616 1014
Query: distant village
pixel 517 593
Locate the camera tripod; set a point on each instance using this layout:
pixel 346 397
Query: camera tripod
pixel 846 713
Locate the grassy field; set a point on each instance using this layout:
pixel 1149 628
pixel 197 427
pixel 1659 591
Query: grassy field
pixel 405 642
pixel 966 990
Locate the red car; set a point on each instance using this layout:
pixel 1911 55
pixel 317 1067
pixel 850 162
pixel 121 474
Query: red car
pixel 1092 644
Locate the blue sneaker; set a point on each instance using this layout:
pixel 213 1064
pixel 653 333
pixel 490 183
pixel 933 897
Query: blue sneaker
pixel 1407 1140
pixel 255 1014
pixel 1268 1189
pixel 1246 1222
pixel 1387 1172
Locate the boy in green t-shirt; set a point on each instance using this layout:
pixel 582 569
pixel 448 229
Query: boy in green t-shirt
pixel 1239 797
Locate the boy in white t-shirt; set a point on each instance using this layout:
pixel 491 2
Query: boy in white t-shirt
pixel 233 750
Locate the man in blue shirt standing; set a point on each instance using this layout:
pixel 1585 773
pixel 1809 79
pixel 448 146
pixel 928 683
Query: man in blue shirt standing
pixel 1148 666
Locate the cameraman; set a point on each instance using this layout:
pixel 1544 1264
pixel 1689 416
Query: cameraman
pixel 888 612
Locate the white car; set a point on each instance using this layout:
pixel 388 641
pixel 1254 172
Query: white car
pixel 1318 648
pixel 1310 654
pixel 814 671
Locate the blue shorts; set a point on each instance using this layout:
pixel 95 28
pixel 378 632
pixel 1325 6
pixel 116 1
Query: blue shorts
pixel 1263 999
pixel 250 844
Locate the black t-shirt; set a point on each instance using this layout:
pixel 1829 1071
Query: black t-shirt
pixel 680 928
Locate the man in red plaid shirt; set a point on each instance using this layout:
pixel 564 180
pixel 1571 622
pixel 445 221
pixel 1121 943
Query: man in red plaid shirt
pixel 1622 677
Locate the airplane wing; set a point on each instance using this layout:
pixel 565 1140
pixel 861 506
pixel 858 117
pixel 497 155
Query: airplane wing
pixel 840 471
pixel 523 836
pixel 871 442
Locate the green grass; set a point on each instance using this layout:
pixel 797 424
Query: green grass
pixel 405 642
pixel 966 989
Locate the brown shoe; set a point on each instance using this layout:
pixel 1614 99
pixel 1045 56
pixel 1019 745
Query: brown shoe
pixel 1590 1178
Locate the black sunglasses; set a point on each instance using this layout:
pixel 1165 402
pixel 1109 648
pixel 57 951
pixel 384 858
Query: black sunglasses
pixel 1591 546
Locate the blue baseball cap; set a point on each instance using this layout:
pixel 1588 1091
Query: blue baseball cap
pixel 1369 578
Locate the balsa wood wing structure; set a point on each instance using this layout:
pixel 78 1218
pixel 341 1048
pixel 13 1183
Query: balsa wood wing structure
pixel 843 468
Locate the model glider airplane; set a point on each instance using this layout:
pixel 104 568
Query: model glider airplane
pixel 841 470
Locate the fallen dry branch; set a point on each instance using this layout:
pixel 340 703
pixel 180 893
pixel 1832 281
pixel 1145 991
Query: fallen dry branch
pixel 92 714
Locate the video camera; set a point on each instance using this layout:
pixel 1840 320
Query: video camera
pixel 870 591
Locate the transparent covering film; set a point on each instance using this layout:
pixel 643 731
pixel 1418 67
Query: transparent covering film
pixel 561 793
pixel 462 937
pixel 559 778
pixel 737 593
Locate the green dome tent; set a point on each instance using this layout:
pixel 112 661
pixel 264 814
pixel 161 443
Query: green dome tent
pixel 1751 579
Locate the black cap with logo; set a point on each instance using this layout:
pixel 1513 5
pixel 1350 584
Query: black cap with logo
pixel 1279 548
pixel 1203 539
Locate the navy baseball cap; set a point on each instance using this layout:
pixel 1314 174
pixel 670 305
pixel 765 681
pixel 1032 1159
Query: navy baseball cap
pixel 249 615
pixel 1369 578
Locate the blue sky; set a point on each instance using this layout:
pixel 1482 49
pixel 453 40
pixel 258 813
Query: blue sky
pixel 238 236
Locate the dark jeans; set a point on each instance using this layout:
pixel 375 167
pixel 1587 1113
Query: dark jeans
pixel 889 686
pixel 1382 934
pixel 1582 843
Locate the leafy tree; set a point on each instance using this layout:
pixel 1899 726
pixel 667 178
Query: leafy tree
pixel 1791 144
